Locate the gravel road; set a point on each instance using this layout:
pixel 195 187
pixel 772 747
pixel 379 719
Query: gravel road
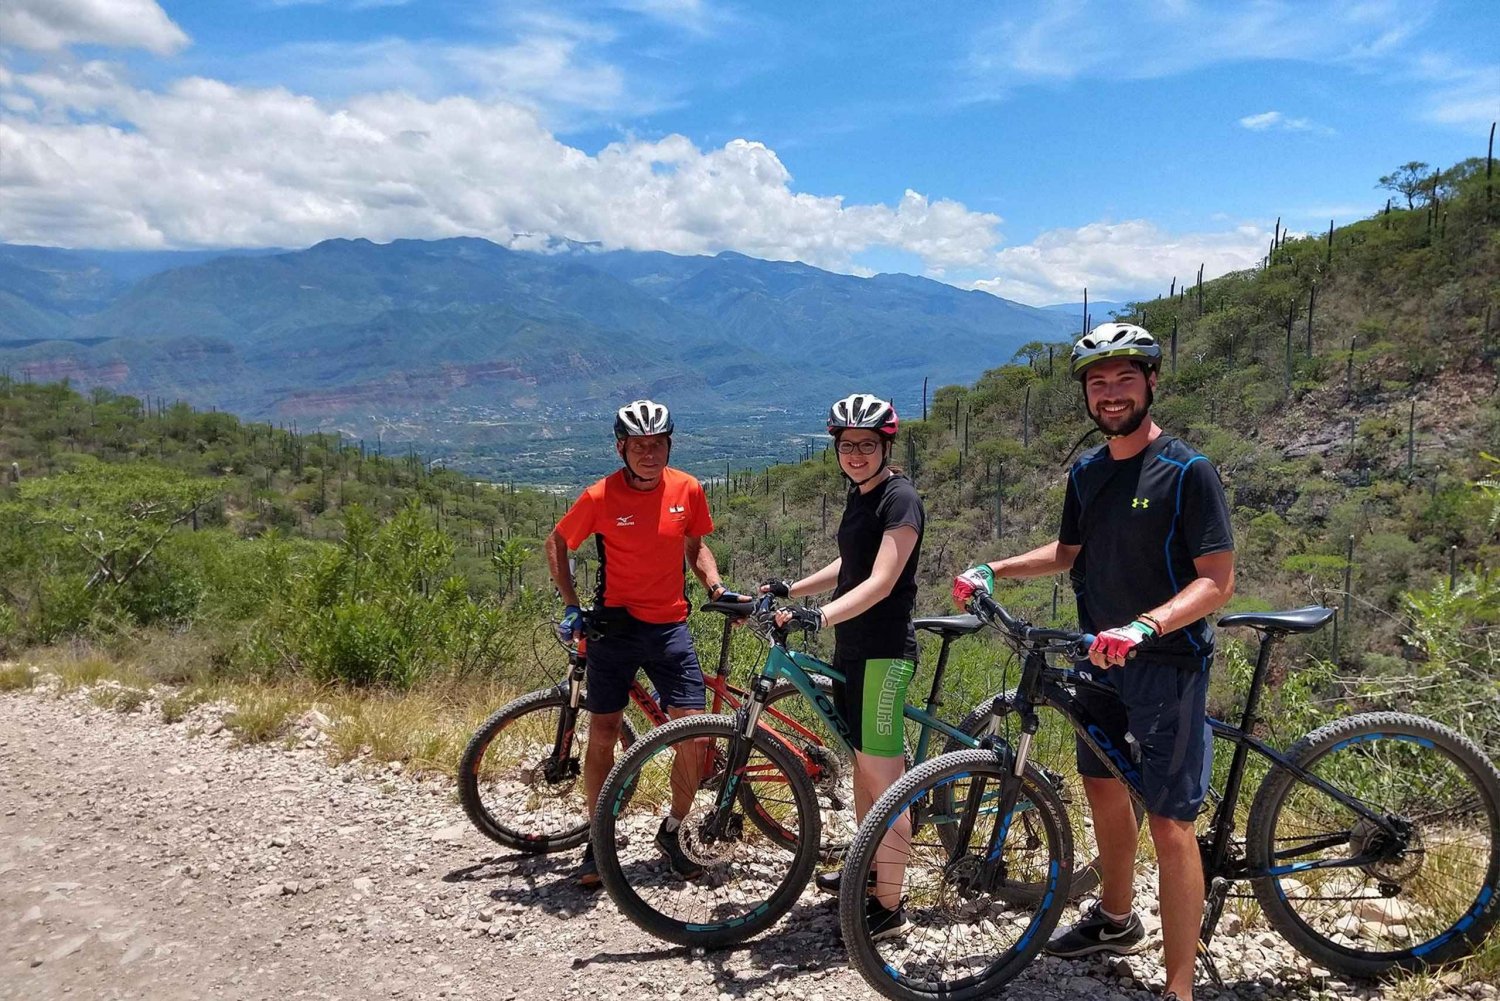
pixel 140 859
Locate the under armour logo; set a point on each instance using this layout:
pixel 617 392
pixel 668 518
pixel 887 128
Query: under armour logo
pixel 1140 502
pixel 625 519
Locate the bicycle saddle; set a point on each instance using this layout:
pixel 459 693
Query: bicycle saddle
pixel 733 609
pixel 1297 620
pixel 949 625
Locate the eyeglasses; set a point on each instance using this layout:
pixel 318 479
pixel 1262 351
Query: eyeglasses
pixel 862 447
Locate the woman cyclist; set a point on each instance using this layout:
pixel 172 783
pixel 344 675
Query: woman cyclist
pixel 875 647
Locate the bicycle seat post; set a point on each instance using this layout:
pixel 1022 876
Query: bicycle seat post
pixel 723 669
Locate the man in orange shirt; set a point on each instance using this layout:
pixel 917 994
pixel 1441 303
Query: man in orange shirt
pixel 647 520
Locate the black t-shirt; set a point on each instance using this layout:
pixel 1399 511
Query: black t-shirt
pixel 884 629
pixel 1141 523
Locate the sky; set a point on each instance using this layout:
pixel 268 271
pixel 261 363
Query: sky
pixel 1029 149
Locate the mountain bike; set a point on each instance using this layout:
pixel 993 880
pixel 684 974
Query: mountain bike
pixel 520 779
pixel 755 823
pixel 1372 844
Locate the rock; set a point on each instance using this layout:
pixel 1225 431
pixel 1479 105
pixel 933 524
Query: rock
pixel 1383 910
pixel 362 884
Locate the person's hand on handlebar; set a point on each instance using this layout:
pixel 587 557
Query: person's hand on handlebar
pixel 809 619
pixel 1115 646
pixel 718 592
pixel 979 579
pixel 571 624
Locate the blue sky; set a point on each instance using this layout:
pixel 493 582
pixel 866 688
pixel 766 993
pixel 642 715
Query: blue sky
pixel 1027 149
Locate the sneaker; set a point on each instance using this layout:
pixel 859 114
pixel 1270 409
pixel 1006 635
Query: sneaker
pixel 829 882
pixel 1096 933
pixel 671 847
pixel 883 922
pixel 587 874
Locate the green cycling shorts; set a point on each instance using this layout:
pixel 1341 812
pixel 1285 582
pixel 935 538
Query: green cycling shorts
pixel 870 703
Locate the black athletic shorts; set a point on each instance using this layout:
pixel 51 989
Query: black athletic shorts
pixel 1163 710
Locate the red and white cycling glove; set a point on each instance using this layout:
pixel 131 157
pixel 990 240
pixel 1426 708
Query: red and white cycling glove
pixel 1114 646
pixel 980 578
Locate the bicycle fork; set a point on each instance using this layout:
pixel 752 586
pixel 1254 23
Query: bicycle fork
pixel 559 767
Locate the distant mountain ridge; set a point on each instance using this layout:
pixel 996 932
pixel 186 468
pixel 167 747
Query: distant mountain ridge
pixel 471 349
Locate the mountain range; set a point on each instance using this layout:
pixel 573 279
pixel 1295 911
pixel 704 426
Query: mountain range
pixel 497 360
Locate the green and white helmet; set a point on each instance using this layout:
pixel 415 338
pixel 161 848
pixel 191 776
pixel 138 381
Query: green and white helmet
pixel 1115 340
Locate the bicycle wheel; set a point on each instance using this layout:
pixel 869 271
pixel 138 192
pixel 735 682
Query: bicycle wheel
pixel 966 940
pixel 1053 751
pixel 750 878
pixel 1429 895
pixel 830 767
pixel 513 787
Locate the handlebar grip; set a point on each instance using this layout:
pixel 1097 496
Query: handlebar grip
pixel 1087 640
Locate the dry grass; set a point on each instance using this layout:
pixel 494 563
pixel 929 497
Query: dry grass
pixel 426 729
pixel 16 677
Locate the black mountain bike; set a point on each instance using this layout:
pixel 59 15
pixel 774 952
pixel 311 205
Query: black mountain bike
pixel 1372 844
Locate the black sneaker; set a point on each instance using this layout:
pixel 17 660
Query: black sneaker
pixel 829 882
pixel 587 874
pixel 883 922
pixel 1096 933
pixel 671 847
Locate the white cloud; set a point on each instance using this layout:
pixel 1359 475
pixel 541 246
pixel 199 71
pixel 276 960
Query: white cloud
pixel 1145 39
pixel 1461 95
pixel 1118 261
pixel 1268 120
pixel 53 25
pixel 92 160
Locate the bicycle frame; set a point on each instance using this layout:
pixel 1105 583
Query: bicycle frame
pixel 1042 685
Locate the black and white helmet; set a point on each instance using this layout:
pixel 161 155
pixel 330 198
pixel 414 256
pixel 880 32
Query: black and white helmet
pixel 1115 340
pixel 642 417
pixel 863 411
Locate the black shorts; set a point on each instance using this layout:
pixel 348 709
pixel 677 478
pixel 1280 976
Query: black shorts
pixel 1164 711
pixel 620 645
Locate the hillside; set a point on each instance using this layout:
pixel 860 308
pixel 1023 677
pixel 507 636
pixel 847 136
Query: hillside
pixel 1351 438
pixel 502 362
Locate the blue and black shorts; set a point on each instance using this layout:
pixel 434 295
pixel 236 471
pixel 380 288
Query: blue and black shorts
pixel 1163 709
pixel 620 645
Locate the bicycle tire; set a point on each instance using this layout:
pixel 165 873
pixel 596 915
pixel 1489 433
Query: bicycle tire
pixel 1054 751
pixel 942 910
pixel 713 909
pixel 501 784
pixel 1431 904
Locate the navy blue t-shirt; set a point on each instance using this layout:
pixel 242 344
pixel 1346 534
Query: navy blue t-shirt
pixel 1141 522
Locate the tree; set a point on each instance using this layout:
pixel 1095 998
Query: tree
pixel 116 514
pixel 1413 179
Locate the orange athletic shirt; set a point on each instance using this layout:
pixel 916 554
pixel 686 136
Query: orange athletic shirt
pixel 642 540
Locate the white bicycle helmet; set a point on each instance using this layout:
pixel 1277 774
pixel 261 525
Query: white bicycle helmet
pixel 1115 340
pixel 642 417
pixel 863 411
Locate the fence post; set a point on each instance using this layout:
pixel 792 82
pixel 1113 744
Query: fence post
pixel 1411 439
pixel 1312 301
pixel 999 499
pixel 1026 419
pixel 1174 343
pixel 1452 568
pixel 1348 584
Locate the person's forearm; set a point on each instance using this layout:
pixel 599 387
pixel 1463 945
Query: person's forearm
pixel 705 567
pixel 1052 558
pixel 859 599
pixel 1203 596
pixel 818 580
pixel 557 566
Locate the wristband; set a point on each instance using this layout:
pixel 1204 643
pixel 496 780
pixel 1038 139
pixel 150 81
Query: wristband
pixel 1151 621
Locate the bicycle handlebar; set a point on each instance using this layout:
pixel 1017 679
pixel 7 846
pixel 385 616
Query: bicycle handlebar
pixel 1071 644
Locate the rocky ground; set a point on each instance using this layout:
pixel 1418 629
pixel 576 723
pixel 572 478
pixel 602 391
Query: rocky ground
pixel 140 859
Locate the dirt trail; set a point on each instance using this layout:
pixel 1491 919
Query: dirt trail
pixel 146 860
